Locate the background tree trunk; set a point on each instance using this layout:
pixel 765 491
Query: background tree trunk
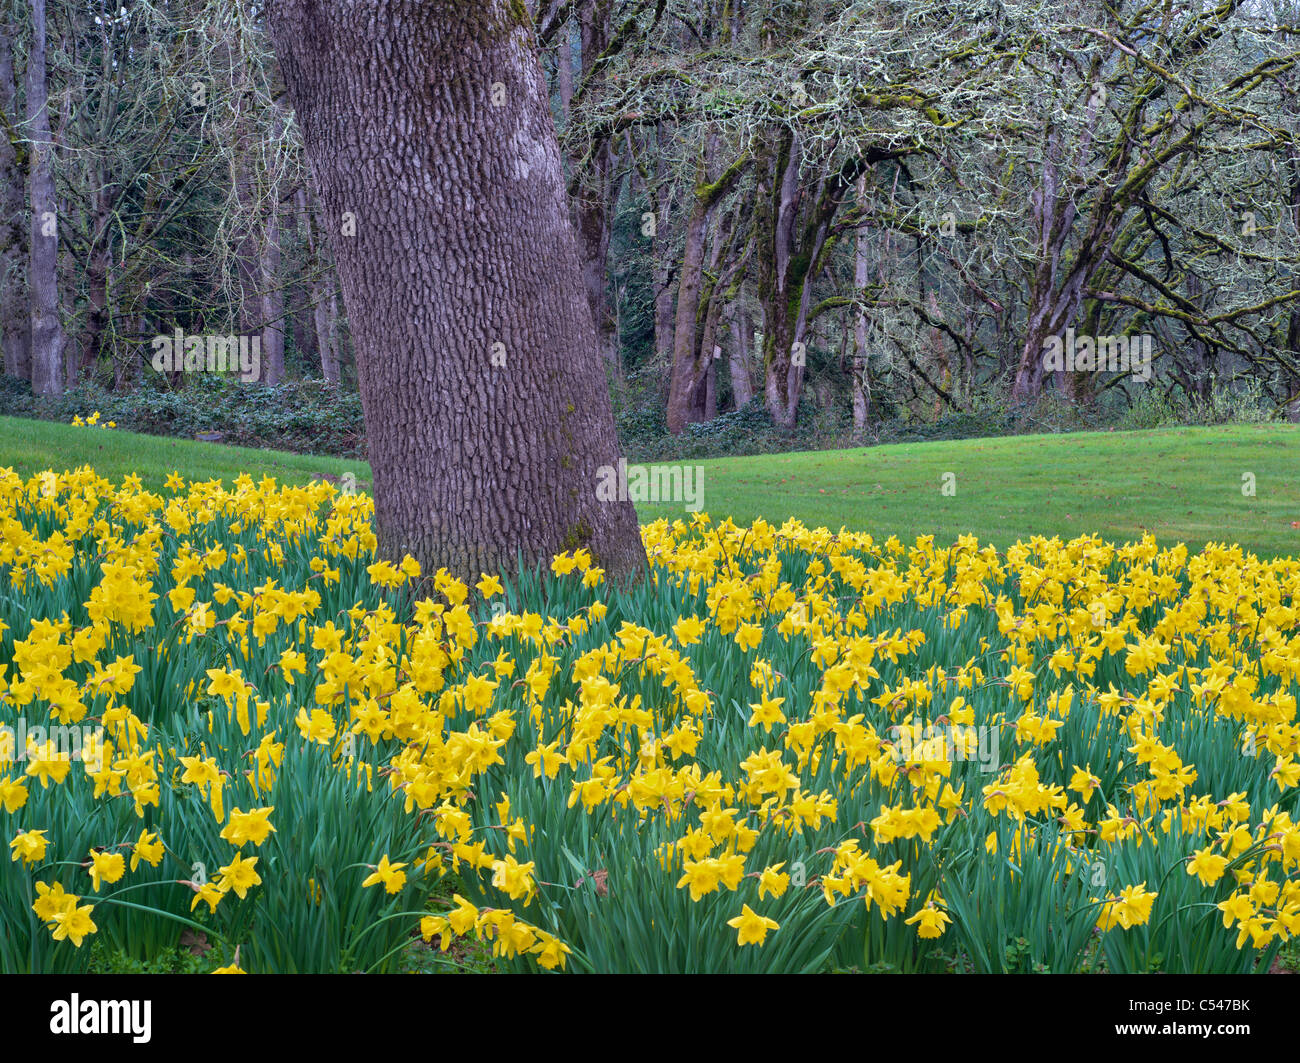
pixel 301 290
pixel 696 316
pixel 15 315
pixel 689 363
pixel 272 298
pixel 594 192
pixel 246 251
pixel 319 299
pixel 487 413
pixel 98 266
pixel 742 333
pixel 48 339
pixel 861 356
pixel 665 267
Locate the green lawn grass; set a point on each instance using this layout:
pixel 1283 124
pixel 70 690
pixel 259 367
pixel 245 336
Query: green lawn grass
pixel 1183 484
pixel 30 446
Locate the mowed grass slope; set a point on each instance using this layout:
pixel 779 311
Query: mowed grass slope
pixel 30 446
pixel 1182 484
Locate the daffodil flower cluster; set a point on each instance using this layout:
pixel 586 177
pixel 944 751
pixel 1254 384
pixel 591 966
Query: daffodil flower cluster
pixel 784 749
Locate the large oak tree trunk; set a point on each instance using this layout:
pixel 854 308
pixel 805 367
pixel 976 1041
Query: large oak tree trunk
pixel 487 413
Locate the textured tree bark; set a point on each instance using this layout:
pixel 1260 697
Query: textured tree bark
pixel 15 315
pixel 487 414
pixel 48 339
